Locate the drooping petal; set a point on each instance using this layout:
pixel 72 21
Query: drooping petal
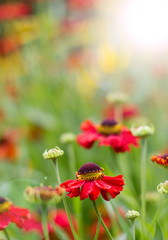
pixel 102 185
pixel 107 195
pixel 87 139
pixel 86 190
pixel 117 181
pixel 32 225
pixel 95 192
pixel 76 183
pixel 22 212
pixel 16 219
pixel 75 192
pixel 4 220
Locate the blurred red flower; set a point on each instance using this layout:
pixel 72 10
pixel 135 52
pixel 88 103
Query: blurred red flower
pixel 91 181
pixel 128 111
pixel 14 10
pixel 80 4
pixel 8 145
pixel 10 213
pixel 57 217
pixel 108 133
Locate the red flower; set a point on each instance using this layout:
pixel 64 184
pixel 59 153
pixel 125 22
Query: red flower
pixel 8 145
pixel 161 159
pixel 10 213
pixel 14 10
pixel 108 133
pixel 128 111
pixel 57 217
pixel 91 181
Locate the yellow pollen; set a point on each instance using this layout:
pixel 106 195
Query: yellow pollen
pixel 107 130
pixel 5 206
pixel 90 176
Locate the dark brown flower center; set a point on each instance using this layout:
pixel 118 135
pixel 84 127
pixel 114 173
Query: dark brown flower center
pixel 109 126
pixel 90 171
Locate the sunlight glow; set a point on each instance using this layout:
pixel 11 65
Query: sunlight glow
pixel 145 22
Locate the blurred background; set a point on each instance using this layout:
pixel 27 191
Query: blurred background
pixel 58 61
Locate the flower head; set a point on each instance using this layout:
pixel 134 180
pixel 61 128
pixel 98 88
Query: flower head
pixel 131 214
pixel 108 133
pixel 10 213
pixel 67 138
pixel 161 159
pixel 163 187
pixel 53 153
pixel 143 130
pixel 117 98
pixel 90 182
pixel 43 193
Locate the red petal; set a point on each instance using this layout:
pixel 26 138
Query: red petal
pixel 86 190
pixel 87 139
pixel 4 220
pixel 117 181
pixel 74 192
pixel 22 212
pixel 87 125
pixel 95 192
pixel 31 225
pixel 102 185
pixel 107 195
pixel 76 184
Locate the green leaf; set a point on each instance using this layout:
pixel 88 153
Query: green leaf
pixel 158 232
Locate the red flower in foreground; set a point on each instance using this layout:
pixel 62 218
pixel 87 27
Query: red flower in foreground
pixel 57 217
pixel 108 133
pixel 161 159
pixel 91 181
pixel 10 213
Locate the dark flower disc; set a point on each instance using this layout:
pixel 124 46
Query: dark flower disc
pixel 108 122
pixel 89 167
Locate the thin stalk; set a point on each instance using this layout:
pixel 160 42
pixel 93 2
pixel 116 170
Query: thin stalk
pixel 44 221
pixel 6 234
pixel 133 228
pixel 76 201
pixel 143 183
pixel 114 160
pixel 71 156
pixel 64 201
pixel 102 222
pixel 98 229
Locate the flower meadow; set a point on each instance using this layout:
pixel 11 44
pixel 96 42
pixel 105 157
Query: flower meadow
pixel 83 125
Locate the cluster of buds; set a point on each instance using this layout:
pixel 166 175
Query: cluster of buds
pixel 131 214
pixel 163 187
pixel 53 153
pixel 44 194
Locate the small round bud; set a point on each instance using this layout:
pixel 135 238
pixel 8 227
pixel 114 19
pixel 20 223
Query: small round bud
pixel 43 194
pixel 143 130
pixel 53 153
pixel 67 138
pixel 117 98
pixel 163 187
pixel 131 214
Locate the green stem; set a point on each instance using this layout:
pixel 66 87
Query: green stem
pixel 162 204
pixel 102 222
pixel 133 228
pixel 44 221
pixel 76 201
pixel 114 161
pixel 6 234
pixel 143 183
pixel 64 201
pixel 71 157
